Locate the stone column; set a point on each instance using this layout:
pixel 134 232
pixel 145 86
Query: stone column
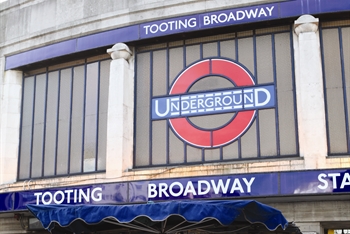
pixel 120 117
pixel 310 93
pixel 10 112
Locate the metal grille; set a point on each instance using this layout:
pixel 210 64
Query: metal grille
pixel 267 55
pixel 335 45
pixel 63 125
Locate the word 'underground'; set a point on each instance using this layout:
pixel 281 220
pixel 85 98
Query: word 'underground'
pixel 247 98
pixel 200 188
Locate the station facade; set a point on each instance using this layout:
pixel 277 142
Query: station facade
pixel 145 101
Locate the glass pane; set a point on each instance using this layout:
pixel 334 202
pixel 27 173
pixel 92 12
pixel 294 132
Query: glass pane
pixel 159 73
pixel 77 119
pixel 51 124
pixel 249 142
pixel 231 151
pixel 142 111
pixel 175 63
pixel 267 129
pixel 64 122
pixel 91 99
pixel 102 119
pixel 285 95
pixel 26 131
pixel 334 91
pixel 264 59
pixel 192 54
pixel 228 49
pixel 246 53
pixel 38 131
pixel 193 154
pixel 159 142
pixel 287 123
pixel 346 59
pixel 212 154
pixel 210 50
pixel 176 149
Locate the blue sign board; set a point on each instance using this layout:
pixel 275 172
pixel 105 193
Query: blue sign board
pixel 214 187
pixel 251 14
pixel 223 101
pixel 315 182
pixel 293 183
pixel 6 201
pixel 209 20
pixel 89 194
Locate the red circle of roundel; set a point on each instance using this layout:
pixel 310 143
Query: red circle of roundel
pixel 238 125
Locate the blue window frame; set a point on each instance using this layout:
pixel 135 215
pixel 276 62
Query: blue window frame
pixel 335 48
pixel 63 121
pixel 266 53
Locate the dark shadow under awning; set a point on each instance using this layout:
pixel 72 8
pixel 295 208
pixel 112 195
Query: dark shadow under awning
pixel 245 216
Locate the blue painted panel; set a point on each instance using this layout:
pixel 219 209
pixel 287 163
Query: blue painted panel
pixel 40 54
pixel 107 38
pixel 6 201
pixel 291 9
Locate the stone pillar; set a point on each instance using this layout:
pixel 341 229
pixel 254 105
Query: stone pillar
pixel 10 112
pixel 120 117
pixel 310 93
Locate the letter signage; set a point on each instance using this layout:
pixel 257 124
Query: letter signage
pixel 209 20
pixel 227 186
pixel 316 182
pixel 294 183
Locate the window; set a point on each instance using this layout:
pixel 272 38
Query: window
pixel 63 124
pixel 266 53
pixel 335 47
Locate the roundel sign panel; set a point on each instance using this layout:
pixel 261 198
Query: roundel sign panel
pixel 244 99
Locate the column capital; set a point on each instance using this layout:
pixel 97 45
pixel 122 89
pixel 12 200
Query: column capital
pixel 120 51
pixel 305 23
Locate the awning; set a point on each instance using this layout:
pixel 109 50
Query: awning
pixel 164 217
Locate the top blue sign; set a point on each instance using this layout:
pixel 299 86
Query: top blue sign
pixel 209 20
pixel 277 10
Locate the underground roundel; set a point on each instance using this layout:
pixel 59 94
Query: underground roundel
pixel 244 99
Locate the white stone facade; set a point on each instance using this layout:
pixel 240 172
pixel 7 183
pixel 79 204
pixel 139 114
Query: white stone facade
pixel 29 24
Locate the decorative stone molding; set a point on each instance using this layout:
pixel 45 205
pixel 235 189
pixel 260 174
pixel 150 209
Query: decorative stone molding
pixel 120 50
pixel 120 114
pixel 305 23
pixel 310 93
